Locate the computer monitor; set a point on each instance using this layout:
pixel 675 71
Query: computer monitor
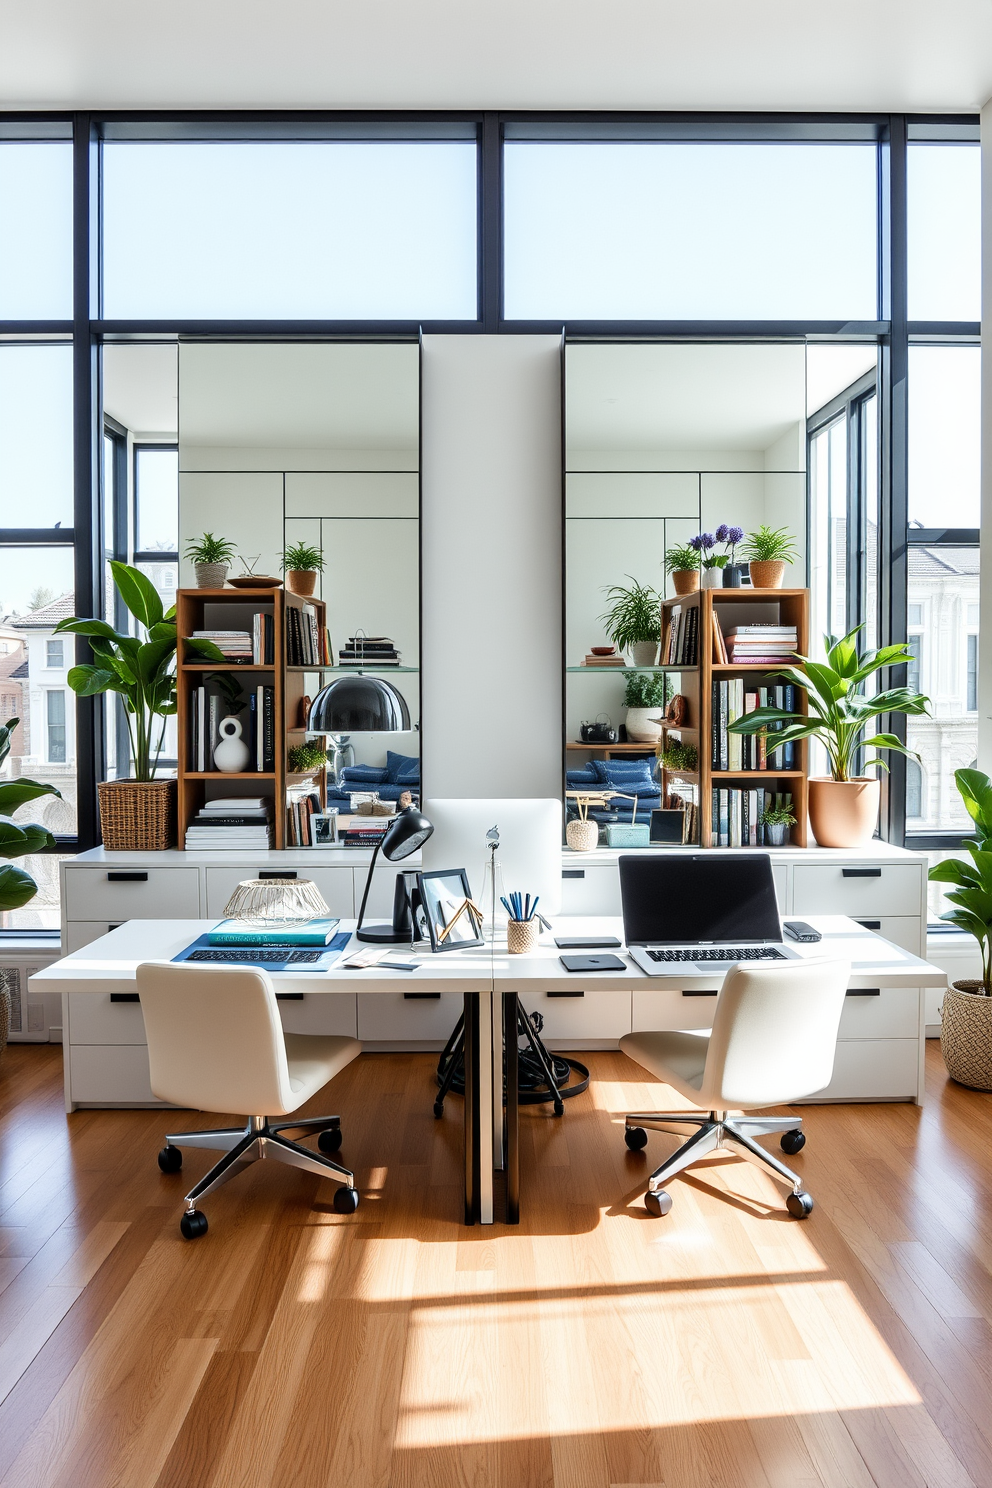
pixel 529 851
pixel 682 899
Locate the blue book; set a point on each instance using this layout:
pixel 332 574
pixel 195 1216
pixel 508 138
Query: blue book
pixel 232 932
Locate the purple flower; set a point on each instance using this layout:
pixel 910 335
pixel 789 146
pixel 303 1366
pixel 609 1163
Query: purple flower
pixel 722 533
pixel 735 535
pixel 707 540
pixel 696 542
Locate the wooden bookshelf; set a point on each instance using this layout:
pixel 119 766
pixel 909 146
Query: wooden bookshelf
pixel 733 607
pixel 232 609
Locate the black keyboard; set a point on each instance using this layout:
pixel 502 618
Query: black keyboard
pixel 718 953
pixel 261 953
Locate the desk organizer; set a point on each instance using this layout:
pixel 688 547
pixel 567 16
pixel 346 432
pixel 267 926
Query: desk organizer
pixel 628 834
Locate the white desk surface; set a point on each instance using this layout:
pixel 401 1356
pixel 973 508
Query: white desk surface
pixel 108 964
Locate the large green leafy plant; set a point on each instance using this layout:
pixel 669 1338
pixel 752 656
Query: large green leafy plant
pixel 141 668
pixel 19 838
pixel 634 614
pixel 972 892
pixel 839 709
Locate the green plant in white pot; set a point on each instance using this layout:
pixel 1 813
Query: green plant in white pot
pixel 644 699
pixel 633 620
pixel 966 1015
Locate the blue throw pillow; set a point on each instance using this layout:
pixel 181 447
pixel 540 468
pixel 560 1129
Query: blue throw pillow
pixel 402 769
pixel 364 774
pixel 632 776
pixel 585 777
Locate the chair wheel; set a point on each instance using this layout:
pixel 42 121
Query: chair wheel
pixel 657 1202
pixel 346 1201
pixel 636 1138
pixel 330 1141
pixel 793 1142
pixel 193 1224
pixel 799 1205
pixel 439 1109
pixel 170 1159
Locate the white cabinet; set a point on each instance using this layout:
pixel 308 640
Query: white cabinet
pixel 336 885
pixel 110 1075
pixel 131 893
pixel 856 889
pixel 400 1019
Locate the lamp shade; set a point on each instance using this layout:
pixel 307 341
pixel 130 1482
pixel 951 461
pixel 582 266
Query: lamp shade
pixel 403 836
pixel 359 705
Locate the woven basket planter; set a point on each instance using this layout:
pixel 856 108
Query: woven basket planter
pixel 522 937
pixel 966 1035
pixel 138 815
pixel 582 836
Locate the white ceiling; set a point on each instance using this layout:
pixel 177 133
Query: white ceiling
pixel 913 55
pixel 141 388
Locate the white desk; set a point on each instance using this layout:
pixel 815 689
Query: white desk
pixel 886 981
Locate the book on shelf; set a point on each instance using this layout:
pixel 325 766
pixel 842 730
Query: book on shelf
pixel 302 805
pixel 263 641
pixel 604 661
pixel 731 699
pixel 370 651
pixel 719 644
pixel 235 932
pixel 735 814
pixel 683 637
pixel 307 641
pixel 235 644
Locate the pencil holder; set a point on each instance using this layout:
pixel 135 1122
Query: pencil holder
pixel 522 936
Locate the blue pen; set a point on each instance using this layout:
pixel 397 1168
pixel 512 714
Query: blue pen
pixel 533 908
pixel 506 906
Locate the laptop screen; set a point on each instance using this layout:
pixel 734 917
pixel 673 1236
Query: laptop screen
pixel 709 897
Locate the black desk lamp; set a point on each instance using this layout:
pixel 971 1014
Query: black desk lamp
pixel 401 838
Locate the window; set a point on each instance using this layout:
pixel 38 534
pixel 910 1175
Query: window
pixel 55 706
pixel 971 683
pixel 944 436
pixel 914 646
pixel 35 230
pixel 322 229
pixel 660 230
pixel 944 230
pixel 156 499
pixel 54 653
pixel 35 435
pixel 914 791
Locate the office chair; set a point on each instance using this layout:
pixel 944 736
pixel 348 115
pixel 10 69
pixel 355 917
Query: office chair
pixel 216 1043
pixel 773 1040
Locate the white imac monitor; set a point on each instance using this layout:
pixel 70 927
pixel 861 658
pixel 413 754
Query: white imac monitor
pixel 530 845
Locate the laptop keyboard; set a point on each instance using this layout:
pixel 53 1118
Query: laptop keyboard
pixel 265 953
pixel 717 953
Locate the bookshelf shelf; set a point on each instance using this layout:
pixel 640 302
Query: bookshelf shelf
pixel 356 671
pixel 595 671
pixel 230 775
pixel 223 666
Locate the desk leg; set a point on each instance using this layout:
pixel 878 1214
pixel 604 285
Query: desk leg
pixel 511 1145
pixel 471 1107
pixel 484 1105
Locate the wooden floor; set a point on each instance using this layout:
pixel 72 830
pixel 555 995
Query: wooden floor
pixel 592 1347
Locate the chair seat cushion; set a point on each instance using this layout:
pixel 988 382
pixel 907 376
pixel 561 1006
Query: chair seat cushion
pixel 314 1059
pixel 676 1058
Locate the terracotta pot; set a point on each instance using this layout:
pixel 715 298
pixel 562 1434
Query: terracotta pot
pixel 644 725
pixel 966 1035
pixel 644 653
pixel 301 581
pixel 843 813
pixel 685 580
pixel 582 836
pixel 210 575
pixel 768 575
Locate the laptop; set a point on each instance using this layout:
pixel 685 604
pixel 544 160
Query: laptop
pixel 704 912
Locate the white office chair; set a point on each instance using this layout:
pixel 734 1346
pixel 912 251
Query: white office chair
pixel 773 1040
pixel 216 1043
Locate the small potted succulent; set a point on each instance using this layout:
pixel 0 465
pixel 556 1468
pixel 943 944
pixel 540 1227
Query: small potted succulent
pixel 732 570
pixel 302 562
pixel 682 562
pixel 211 557
pixel 304 761
pixel 777 822
pixel 966 1014
pixel 767 551
pixel 644 700
pixel 712 563
pixel 633 620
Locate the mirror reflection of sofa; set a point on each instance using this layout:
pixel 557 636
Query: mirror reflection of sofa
pixel 400 773
pixel 633 777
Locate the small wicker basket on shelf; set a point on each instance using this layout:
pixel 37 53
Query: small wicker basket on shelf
pixel 137 815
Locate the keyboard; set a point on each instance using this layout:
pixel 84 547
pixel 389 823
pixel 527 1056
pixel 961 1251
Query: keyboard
pixel 261 953
pixel 717 953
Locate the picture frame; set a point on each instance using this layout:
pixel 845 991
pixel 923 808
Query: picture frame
pixel 444 893
pixel 325 828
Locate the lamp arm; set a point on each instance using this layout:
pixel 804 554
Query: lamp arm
pixel 368 885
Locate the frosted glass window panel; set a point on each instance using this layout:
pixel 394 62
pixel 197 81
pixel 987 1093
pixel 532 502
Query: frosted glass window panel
pixel 35 436
pixel 668 231
pixel 944 436
pixel 318 229
pixel 35 230
pixel 157 500
pixel 945 232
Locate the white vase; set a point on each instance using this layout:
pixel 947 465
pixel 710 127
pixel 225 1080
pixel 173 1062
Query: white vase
pixel 712 578
pixel 644 653
pixel 644 725
pixel 231 755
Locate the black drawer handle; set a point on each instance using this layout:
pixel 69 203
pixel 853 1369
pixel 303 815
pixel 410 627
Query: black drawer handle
pixel 861 872
pixel 864 991
pixel 289 997
pixel 124 997
pixel 114 927
pixel 421 997
pixel 691 992
pixel 871 924
pixel 573 873
pixel 277 873
pixel 127 877
pixel 569 993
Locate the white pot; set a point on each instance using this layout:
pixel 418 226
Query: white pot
pixel 644 653
pixel 644 725
pixel 712 578
pixel 231 755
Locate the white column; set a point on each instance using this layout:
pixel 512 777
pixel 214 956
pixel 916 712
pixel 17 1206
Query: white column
pixel 985 588
pixel 492 544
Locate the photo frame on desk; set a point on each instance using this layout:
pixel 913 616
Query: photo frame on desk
pixel 453 922
pixel 324 825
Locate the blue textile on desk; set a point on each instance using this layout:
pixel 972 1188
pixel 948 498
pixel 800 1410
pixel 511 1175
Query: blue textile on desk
pixel 329 954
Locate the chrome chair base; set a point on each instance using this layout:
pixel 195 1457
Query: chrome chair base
pixel 705 1132
pixel 258 1140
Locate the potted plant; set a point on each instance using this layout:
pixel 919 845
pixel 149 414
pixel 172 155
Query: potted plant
pixel 644 700
pixel 712 563
pixel 843 807
pixel 210 557
pixel 767 551
pixel 730 537
pixel 679 757
pixel 136 813
pixel 305 761
pixel 633 620
pixel 302 562
pixel 966 1014
pixel 777 821
pixel 682 562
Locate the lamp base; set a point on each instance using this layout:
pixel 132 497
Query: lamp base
pixel 383 934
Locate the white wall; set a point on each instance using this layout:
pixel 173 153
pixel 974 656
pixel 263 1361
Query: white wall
pixel 492 692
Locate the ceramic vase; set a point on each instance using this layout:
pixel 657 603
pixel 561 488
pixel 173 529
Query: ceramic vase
pixel 581 836
pixel 231 755
pixel 712 578
pixel 644 725
pixel 644 653
pixel 843 813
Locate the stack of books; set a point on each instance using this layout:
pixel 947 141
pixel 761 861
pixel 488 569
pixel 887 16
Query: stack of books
pixel 604 661
pixel 364 831
pixel 307 641
pixel 235 644
pixel 263 641
pixel 369 651
pixel 731 700
pixel 683 637
pixel 239 821
pixel 236 932
pixel 762 643
pixel 302 804
pixel 735 820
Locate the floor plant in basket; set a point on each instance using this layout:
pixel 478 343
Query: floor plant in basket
pixel 966 1016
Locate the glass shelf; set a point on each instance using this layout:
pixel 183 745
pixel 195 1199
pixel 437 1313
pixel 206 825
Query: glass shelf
pixel 344 671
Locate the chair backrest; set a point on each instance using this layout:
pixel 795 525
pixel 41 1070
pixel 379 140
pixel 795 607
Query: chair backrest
pixel 215 1040
pixel 774 1033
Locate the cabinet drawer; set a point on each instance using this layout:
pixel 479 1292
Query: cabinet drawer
pixel 597 1013
pixel 94 1019
pixel 902 930
pixel 873 1069
pixel 110 1075
pixel 335 884
pixel 322 1013
pixel 81 933
pixel 389 1017
pixel 160 894
pixel 893 1014
pixel 663 1009
pixel 891 889
pixel 590 891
